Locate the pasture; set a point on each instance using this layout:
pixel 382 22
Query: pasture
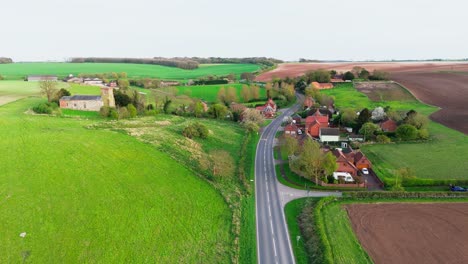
pixel 442 157
pixel 16 71
pixel 100 196
pixel 384 91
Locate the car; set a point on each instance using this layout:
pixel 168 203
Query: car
pixel 457 189
pixel 365 171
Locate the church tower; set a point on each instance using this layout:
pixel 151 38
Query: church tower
pixel 107 96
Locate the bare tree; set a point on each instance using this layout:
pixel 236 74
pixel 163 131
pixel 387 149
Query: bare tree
pixel 48 89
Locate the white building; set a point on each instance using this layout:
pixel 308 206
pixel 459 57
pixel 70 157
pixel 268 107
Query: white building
pixel 328 134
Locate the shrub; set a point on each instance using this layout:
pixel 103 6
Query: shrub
pixel 104 111
pixel 132 111
pixel 113 113
pixel 1 77
pixel 43 108
pixel 383 139
pixel 195 130
pixel 423 134
pixel 123 113
pixel 407 132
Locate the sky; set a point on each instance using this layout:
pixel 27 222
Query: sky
pixel 44 30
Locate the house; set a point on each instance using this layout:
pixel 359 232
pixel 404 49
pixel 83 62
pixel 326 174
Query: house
pixel 318 85
pixel 388 125
pixel 336 80
pixel 296 118
pixel 327 134
pixel 37 78
pixel 74 80
pixel 92 81
pixel 309 102
pixel 268 110
pixel 291 129
pixel 351 161
pixel 315 122
pixel 89 102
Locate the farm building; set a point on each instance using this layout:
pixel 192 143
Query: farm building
pixel 327 134
pixel 92 81
pixel 74 80
pixel 268 110
pixel 37 78
pixel 318 85
pixel 89 102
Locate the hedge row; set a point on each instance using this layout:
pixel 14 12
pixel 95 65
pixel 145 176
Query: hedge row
pixel 415 182
pixel 380 195
pixel 320 228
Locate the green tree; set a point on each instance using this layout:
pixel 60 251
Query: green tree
pixel 383 139
pixel 123 113
pixel 348 76
pixel 364 74
pixel 309 160
pixel 123 84
pixel 322 76
pixel 231 96
pixel 123 75
pixel 329 164
pixel 222 95
pixel 417 120
pixel 364 117
pixel 368 130
pixel 132 111
pixel 407 132
pixel 348 117
pixel 166 105
pixel 245 93
pixel 48 89
pixel 252 115
pixel 255 91
pixel 198 109
pixel 121 99
pixel 248 76
pixel 423 133
pixel 290 145
pixel 218 111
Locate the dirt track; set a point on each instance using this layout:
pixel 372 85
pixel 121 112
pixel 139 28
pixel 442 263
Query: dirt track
pixel 425 80
pixel 412 233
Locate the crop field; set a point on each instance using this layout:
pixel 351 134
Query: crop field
pixel 14 90
pixel 412 233
pixel 443 157
pixel 20 70
pixel 100 196
pixel 384 91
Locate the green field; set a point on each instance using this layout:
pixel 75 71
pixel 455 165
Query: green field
pixel 443 157
pixel 20 70
pixel 292 210
pixel 100 196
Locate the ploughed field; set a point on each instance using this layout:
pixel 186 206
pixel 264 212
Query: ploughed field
pixel 442 84
pixel 412 233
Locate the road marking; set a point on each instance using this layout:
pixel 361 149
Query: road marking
pixel 274 247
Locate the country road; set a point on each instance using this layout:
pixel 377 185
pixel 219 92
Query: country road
pixel 273 244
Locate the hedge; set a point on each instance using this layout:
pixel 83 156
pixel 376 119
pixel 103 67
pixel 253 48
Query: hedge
pixel 380 195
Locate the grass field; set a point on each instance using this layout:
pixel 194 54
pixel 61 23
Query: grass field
pixel 292 210
pixel 100 196
pixel 443 157
pixel 20 70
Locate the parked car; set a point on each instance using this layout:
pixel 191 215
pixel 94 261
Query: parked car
pixel 365 171
pixel 457 189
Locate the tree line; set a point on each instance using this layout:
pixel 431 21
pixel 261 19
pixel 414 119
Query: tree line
pixel 185 64
pixel 264 61
pixel 4 60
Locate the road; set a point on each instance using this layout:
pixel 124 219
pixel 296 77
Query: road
pixel 273 244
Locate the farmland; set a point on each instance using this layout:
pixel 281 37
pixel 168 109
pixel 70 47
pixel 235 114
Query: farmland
pixel 101 196
pixel 443 157
pixel 20 70
pixel 442 84
pixel 412 233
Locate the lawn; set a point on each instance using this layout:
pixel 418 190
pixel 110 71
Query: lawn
pixel 20 70
pixel 292 210
pixel 100 196
pixel 209 93
pixel 443 157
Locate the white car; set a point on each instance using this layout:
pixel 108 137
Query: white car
pixel 365 171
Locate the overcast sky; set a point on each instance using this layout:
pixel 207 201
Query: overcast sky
pixel 290 29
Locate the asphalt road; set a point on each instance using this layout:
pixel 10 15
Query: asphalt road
pixel 273 244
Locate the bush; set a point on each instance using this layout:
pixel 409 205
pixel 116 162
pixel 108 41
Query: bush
pixel 104 111
pixel 113 113
pixel 132 111
pixel 1 77
pixel 383 139
pixel 43 108
pixel 407 132
pixel 123 113
pixel 423 134
pixel 195 130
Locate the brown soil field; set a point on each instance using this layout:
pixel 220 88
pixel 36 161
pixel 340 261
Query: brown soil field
pixel 412 233
pixel 384 91
pixel 442 84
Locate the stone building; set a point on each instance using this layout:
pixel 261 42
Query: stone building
pixel 89 102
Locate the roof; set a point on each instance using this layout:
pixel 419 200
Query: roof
pixel 290 127
pixel 388 125
pixel 328 131
pixel 322 85
pixel 81 98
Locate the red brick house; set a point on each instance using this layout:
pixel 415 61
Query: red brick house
pixel 361 161
pixel 344 164
pixel 268 110
pixel 388 125
pixel 351 161
pixel 291 130
pixel 315 122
